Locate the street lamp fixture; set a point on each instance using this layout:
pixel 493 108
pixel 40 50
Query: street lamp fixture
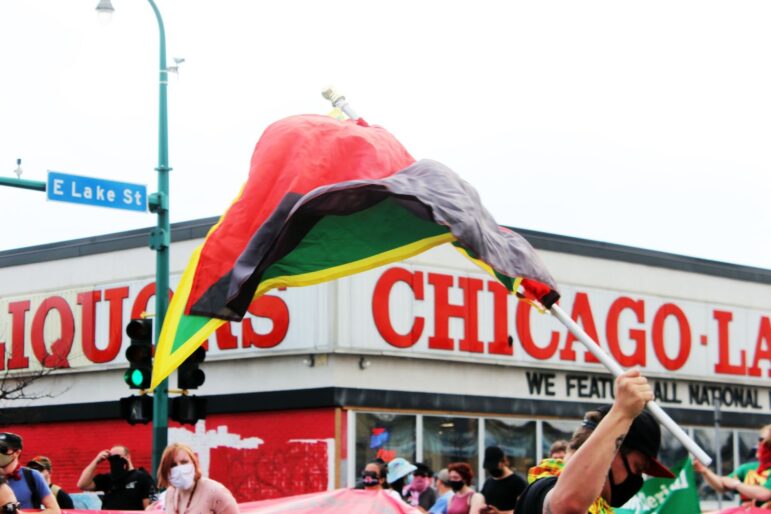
pixel 104 11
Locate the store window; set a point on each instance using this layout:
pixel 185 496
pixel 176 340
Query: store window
pixel 447 440
pixel 748 446
pixel 384 435
pixel 705 437
pixel 517 440
pixel 672 452
pixel 554 430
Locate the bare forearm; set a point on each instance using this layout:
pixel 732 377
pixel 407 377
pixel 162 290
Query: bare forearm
pixel 715 481
pixel 50 505
pixel 756 492
pixel 581 482
pixel 86 480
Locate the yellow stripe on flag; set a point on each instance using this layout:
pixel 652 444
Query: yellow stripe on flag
pixel 167 360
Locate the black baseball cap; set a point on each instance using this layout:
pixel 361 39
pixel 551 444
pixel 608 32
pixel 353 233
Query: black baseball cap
pixel 10 440
pixel 493 455
pixel 645 436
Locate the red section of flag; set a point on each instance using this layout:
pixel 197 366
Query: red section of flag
pixel 295 155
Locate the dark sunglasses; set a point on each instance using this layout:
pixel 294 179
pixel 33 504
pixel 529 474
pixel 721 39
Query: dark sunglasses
pixel 6 450
pixel 11 508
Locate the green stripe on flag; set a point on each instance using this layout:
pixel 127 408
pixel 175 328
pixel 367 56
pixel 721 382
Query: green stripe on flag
pixel 339 240
pixel 187 327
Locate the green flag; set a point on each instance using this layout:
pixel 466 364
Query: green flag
pixel 677 495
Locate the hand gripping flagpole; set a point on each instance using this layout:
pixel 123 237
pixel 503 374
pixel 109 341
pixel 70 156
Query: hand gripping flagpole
pixel 653 407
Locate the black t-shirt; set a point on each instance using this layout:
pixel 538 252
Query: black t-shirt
pixel 532 498
pixel 502 493
pixel 64 500
pixel 427 499
pixel 127 493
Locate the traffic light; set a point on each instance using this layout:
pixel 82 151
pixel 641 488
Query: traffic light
pixel 189 375
pixel 139 353
pixel 187 409
pixel 137 409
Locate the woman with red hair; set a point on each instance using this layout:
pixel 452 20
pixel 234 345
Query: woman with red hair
pixel 188 492
pixel 465 500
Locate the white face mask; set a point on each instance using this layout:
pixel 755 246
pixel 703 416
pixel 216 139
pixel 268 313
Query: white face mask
pixel 182 476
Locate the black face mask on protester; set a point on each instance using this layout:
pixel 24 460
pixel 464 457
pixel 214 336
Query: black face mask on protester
pixel 495 472
pixel 621 493
pixel 369 478
pixel 457 485
pixel 118 466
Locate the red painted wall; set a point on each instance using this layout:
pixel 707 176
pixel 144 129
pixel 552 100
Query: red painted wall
pixel 291 459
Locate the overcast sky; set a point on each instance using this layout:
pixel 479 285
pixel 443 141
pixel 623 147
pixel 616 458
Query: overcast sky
pixel 639 123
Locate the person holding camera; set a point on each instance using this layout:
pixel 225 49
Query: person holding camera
pixel 124 487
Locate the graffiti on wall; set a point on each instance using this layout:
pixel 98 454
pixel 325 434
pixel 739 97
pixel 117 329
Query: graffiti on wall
pixel 256 455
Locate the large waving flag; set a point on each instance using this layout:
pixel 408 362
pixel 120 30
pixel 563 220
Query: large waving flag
pixel 324 199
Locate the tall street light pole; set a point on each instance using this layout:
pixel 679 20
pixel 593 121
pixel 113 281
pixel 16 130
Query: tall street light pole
pixel 160 237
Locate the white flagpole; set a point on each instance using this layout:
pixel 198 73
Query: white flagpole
pixel 653 407
pixel 662 417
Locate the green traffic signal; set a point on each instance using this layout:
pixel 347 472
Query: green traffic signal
pixel 138 378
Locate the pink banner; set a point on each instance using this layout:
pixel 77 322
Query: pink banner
pixel 327 502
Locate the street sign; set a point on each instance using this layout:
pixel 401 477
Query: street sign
pixel 63 187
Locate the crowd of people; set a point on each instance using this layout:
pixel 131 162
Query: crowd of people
pixel 124 487
pixel 601 467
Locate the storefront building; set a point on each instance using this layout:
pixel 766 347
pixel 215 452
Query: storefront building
pixel 427 359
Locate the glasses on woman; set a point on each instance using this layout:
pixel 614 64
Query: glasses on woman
pixel 11 508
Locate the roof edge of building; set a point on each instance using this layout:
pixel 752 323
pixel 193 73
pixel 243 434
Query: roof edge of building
pixel 194 229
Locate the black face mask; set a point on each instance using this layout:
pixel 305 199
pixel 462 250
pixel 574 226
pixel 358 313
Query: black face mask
pixel 369 478
pixel 495 472
pixel 457 485
pixel 118 466
pixel 621 493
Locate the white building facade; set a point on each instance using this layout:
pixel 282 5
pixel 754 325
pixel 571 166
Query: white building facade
pixel 427 359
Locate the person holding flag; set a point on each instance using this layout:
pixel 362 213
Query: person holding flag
pixel 606 457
